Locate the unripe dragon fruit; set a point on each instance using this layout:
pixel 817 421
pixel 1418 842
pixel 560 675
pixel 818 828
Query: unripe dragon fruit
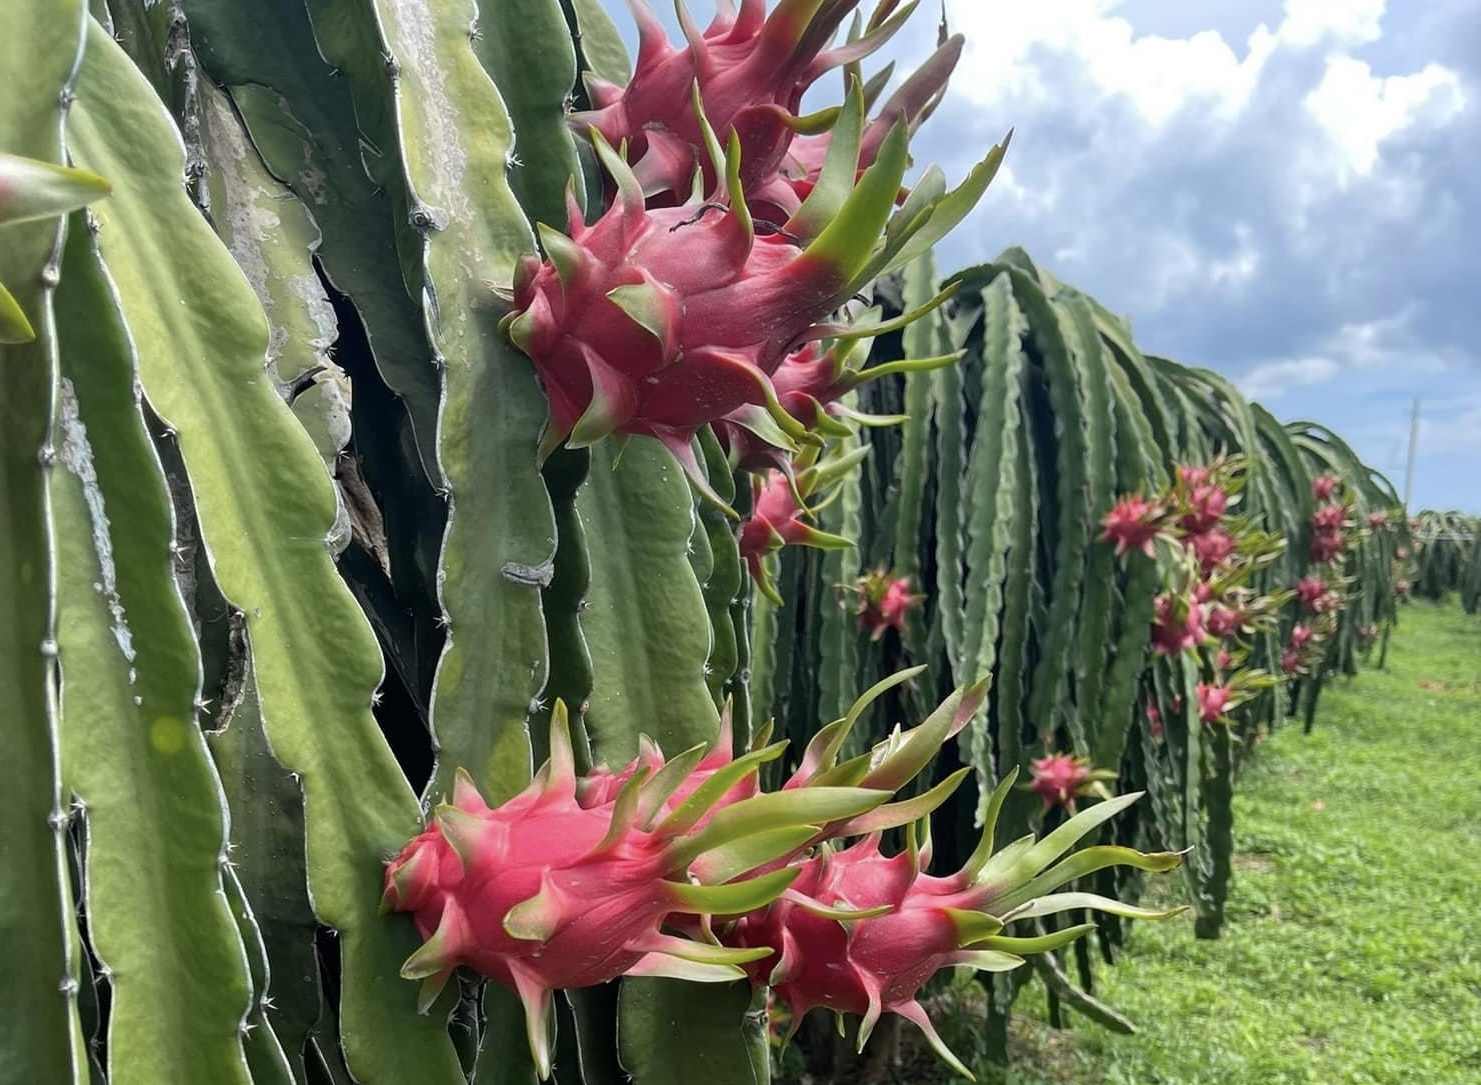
pixel 1324 486
pixel 1133 524
pixel 860 932
pixel 542 892
pixel 657 322
pixel 883 602
pixel 1206 504
pixel 1213 701
pixel 1060 778
pixel 751 70
pixel 1177 624
pixel 1211 547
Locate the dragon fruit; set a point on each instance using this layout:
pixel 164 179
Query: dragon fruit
pixel 883 602
pixel 860 932
pixel 1324 486
pixel 542 892
pixel 1327 546
pixel 657 322
pixel 1213 701
pixel 751 70
pixel 1133 524
pixel 1290 661
pixel 1223 621
pixel 1177 624
pixel 1206 504
pixel 1060 778
pixel 1377 520
pixel 1194 476
pixel 1301 636
pixel 1329 518
pixel 1211 547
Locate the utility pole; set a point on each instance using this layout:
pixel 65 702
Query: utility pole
pixel 1409 464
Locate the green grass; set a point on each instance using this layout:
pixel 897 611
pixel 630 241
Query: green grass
pixel 1353 948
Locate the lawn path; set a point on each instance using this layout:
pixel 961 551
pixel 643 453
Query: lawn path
pixel 1353 948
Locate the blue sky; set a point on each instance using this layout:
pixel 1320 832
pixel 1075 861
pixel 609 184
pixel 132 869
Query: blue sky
pixel 1283 190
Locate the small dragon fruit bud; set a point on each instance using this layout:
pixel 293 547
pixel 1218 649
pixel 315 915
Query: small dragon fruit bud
pixel 1177 625
pixel 1213 701
pixel 1060 778
pixel 542 892
pixel 778 519
pixel 1211 547
pixel 861 932
pixel 1205 507
pixel 1133 524
pixel 1324 486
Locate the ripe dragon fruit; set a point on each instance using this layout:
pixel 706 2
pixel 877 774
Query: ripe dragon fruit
pixel 1206 504
pixel 1060 778
pixel 1311 590
pixel 883 602
pixel 1213 701
pixel 1211 547
pixel 1324 486
pixel 657 322
pixel 1223 621
pixel 1301 635
pixel 1327 546
pixel 1377 520
pixel 751 70
pixel 542 892
pixel 1177 624
pixel 1133 524
pixel 860 932
pixel 1194 476
pixel 1329 518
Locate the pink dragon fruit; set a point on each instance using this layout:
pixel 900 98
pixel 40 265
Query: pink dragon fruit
pixel 1377 521
pixel 1133 524
pixel 1327 546
pixel 1223 621
pixel 1311 590
pixel 751 70
pixel 1324 486
pixel 1206 504
pixel 1211 547
pixel 1224 659
pixel 1193 476
pixel 1290 661
pixel 1060 778
pixel 1329 518
pixel 860 932
pixel 1213 701
pixel 1155 726
pixel 883 602
pixel 658 322
pixel 1301 636
pixel 1177 625
pixel 542 892
pixel 777 520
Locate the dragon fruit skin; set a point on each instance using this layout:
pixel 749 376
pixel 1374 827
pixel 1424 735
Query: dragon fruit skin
pixel 1206 506
pixel 1060 778
pixel 751 68
pixel 542 892
pixel 1133 524
pixel 860 932
pixel 1211 547
pixel 1177 625
pixel 884 602
pixel 1213 701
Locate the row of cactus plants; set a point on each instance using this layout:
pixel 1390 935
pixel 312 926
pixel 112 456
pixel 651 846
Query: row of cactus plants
pixel 384 407
pixel 1153 571
pixel 1446 556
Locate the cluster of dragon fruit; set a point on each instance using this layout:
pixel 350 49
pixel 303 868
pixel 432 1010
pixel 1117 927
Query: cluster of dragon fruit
pixel 721 286
pixel 724 284
pixel 683 867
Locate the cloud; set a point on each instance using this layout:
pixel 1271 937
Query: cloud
pixel 1271 380
pixel 1359 110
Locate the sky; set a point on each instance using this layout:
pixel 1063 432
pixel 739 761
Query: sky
pixel 1281 190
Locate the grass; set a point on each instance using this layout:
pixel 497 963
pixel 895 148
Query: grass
pixel 1353 948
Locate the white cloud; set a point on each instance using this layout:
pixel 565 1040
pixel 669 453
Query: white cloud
pixel 1353 22
pixel 1270 380
pixel 1359 110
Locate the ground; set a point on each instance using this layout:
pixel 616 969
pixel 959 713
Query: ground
pixel 1353 948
